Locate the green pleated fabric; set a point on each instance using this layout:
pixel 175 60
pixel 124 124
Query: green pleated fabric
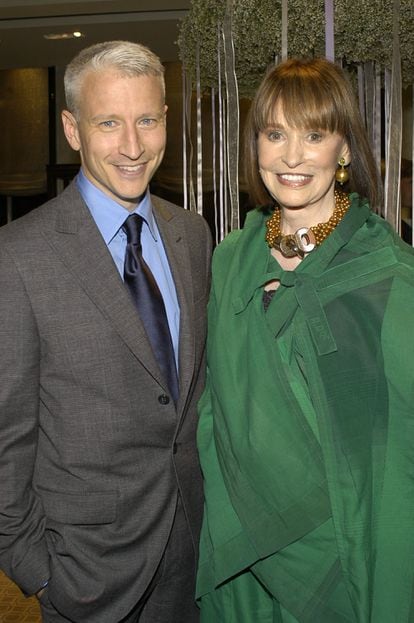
pixel 306 431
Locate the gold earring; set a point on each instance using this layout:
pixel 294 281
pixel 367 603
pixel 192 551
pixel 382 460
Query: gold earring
pixel 341 175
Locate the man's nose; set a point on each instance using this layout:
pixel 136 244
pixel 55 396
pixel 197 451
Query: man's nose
pixel 131 144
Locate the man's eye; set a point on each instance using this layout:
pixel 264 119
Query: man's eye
pixel 148 122
pixel 107 124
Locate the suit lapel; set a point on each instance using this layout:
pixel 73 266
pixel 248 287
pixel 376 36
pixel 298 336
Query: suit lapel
pixel 78 243
pixel 171 229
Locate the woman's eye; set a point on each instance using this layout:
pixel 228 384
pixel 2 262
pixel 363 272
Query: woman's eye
pixel 274 135
pixel 315 137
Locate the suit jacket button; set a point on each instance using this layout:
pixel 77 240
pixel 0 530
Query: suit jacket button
pixel 163 399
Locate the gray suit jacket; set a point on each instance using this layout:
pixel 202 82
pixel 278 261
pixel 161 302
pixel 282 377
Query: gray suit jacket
pixel 92 454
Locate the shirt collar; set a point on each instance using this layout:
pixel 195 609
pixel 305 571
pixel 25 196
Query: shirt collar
pixel 109 215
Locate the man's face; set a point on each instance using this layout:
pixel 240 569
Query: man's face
pixel 120 132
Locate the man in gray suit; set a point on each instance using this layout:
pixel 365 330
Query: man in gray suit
pixel 100 494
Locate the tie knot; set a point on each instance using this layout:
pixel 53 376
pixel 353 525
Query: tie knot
pixel 132 227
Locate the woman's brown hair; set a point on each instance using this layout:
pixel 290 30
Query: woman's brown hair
pixel 314 94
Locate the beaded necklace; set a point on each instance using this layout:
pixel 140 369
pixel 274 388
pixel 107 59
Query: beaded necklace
pixel 305 239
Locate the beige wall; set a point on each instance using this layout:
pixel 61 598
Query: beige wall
pixel 24 144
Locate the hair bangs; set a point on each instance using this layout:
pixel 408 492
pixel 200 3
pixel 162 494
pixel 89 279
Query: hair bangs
pixel 305 103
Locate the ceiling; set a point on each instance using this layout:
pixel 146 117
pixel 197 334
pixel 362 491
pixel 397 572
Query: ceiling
pixel 23 24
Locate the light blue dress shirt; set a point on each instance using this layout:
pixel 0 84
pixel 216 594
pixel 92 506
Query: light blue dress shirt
pixel 109 217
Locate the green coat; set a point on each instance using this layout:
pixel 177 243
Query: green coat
pixel 306 432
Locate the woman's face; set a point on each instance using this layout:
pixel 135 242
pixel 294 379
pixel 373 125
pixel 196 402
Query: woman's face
pixel 298 165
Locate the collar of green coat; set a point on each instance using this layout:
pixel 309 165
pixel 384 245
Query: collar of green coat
pixel 303 286
pixel 259 266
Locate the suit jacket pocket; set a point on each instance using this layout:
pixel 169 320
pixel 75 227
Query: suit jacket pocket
pixel 85 508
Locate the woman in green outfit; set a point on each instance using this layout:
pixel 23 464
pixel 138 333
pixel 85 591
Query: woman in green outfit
pixel 306 430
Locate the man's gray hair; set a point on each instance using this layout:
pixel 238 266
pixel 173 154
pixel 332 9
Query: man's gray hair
pixel 130 59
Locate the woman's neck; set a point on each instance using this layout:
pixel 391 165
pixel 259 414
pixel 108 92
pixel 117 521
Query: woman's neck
pixel 294 217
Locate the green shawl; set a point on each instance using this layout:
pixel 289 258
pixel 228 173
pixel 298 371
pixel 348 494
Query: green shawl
pixel 306 432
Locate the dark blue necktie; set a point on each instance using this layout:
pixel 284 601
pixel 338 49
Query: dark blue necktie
pixel 149 302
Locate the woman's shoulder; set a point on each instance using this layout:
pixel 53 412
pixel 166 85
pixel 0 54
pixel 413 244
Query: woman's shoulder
pixel 238 237
pixel 385 235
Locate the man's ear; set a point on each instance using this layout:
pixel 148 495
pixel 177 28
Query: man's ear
pixel 70 128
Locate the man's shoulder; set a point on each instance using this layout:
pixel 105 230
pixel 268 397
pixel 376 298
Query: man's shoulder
pixel 169 211
pixel 41 218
